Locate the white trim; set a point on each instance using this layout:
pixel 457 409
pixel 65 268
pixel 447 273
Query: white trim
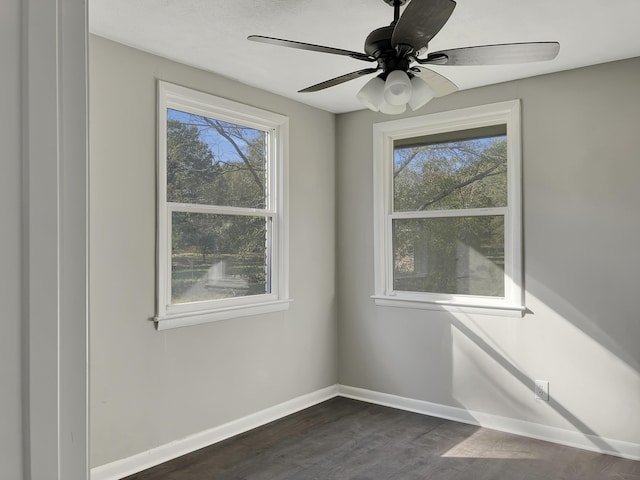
pixel 384 135
pixel 461 212
pixel 547 433
pixel 164 453
pixel 494 309
pixel 196 318
pixel 201 103
pixel 194 208
pixel 55 231
pixel 170 315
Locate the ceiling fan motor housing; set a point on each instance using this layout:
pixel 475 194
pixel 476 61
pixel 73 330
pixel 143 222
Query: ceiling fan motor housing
pixel 378 45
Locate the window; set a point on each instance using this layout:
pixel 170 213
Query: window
pixel 447 210
pixel 222 210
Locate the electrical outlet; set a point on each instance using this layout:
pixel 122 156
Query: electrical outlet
pixel 542 390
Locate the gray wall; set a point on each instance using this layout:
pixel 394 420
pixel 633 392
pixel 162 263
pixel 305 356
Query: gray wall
pixel 10 241
pixel 581 261
pixel 149 388
pixel 581 234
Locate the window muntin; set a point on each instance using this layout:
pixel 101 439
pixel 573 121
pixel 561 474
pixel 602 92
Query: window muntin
pixel 222 208
pixel 447 209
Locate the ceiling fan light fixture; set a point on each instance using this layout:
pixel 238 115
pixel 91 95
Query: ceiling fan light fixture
pixel 395 47
pixel 421 93
pixel 372 94
pixel 397 88
pixel 389 109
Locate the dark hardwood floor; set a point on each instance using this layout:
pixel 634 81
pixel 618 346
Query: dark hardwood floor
pixel 344 439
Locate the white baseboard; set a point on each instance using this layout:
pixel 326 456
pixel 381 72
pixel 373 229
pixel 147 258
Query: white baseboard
pixel 136 463
pixel 150 458
pixel 519 427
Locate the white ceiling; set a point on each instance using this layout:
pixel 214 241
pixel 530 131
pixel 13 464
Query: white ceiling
pixel 211 34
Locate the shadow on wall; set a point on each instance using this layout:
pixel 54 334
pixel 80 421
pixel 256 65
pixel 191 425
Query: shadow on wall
pixel 517 373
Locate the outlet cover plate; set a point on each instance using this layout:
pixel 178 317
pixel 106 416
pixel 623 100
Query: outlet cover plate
pixel 542 390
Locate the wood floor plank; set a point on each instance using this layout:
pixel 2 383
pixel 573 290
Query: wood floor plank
pixel 344 439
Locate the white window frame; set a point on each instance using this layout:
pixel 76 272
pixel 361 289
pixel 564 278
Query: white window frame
pixel 384 134
pixel 178 315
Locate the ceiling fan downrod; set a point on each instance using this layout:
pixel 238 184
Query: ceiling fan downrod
pixel 396 4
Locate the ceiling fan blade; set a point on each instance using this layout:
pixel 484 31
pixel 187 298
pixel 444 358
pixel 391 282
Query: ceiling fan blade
pixel 338 80
pixel 420 22
pixel 495 54
pixel 440 85
pixel 308 46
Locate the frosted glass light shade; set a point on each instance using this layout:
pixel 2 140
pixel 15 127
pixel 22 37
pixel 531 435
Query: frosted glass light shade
pixel 397 88
pixel 371 95
pixel 421 93
pixel 389 109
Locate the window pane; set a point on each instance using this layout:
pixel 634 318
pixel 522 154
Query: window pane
pixel 215 163
pixel 218 256
pixel 430 173
pixel 457 255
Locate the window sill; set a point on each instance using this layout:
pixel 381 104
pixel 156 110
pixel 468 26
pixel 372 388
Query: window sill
pixel 165 322
pixel 501 310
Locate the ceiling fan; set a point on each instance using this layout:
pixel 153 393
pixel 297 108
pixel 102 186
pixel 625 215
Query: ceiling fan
pixel 398 48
